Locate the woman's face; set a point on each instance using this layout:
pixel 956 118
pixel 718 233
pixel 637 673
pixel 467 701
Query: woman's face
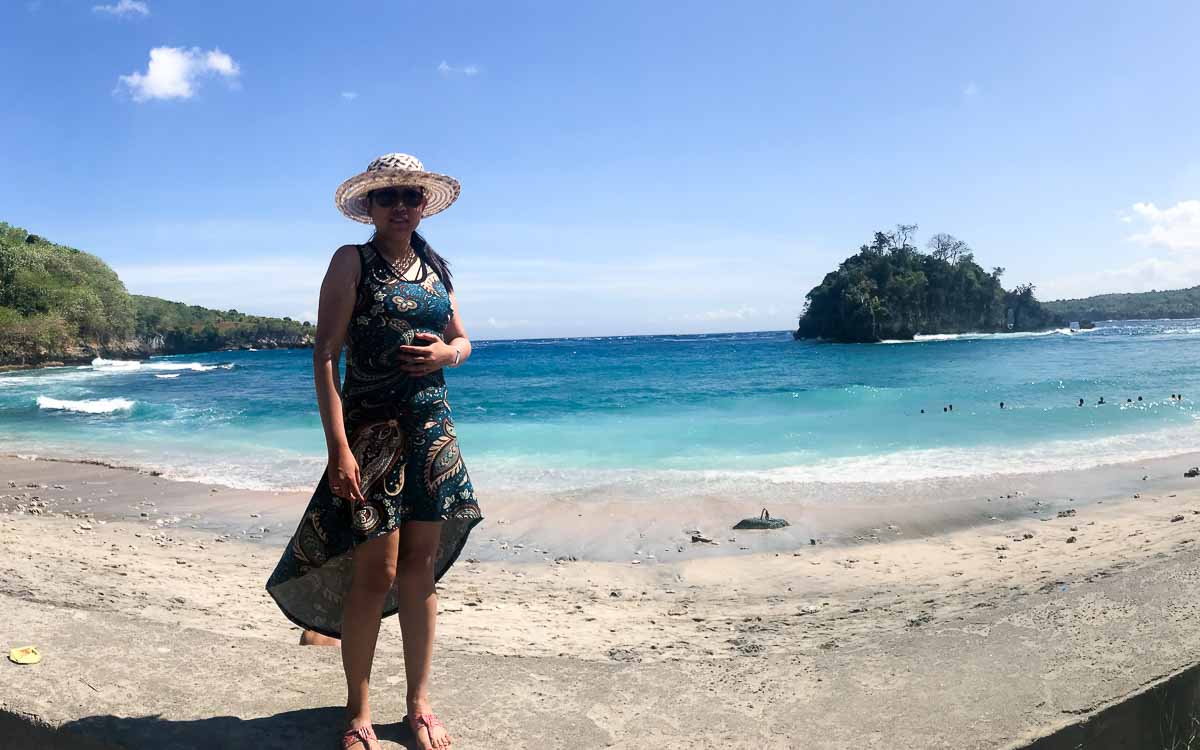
pixel 391 210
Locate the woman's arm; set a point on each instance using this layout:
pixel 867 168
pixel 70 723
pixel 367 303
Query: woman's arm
pixel 421 359
pixel 456 334
pixel 338 292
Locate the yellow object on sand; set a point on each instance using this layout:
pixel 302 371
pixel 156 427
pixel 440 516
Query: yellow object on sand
pixel 26 655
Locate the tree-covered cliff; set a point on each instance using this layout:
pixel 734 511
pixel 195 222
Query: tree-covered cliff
pixel 61 304
pixel 1176 303
pixel 890 289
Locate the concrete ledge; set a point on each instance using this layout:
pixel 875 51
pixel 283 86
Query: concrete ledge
pixel 998 675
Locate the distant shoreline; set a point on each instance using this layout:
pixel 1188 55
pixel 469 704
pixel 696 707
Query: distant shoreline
pixel 87 360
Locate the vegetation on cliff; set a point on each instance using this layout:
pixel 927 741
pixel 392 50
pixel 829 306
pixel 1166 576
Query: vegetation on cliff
pixel 1177 303
pixel 890 289
pixel 59 303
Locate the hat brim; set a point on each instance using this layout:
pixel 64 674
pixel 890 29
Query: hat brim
pixel 351 196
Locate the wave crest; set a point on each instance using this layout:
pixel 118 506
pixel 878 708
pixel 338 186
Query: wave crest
pixel 86 406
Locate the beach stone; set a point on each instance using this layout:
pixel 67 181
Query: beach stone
pixel 764 521
pixel 1070 540
pixel 1176 519
pixel 1066 513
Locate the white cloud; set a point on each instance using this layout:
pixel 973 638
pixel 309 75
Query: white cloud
pixel 447 69
pixel 349 95
pixel 173 73
pixel 971 89
pixel 502 324
pixel 123 8
pixel 1176 228
pixel 724 313
pixel 1140 276
pixel 237 284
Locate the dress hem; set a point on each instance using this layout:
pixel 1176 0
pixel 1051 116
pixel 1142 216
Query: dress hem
pixel 386 613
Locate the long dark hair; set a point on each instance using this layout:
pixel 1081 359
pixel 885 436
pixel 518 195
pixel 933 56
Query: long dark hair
pixel 430 257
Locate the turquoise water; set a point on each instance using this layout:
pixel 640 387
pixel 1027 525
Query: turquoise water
pixel 727 412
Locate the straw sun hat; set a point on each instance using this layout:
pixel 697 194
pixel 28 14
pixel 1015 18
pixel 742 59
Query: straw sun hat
pixel 393 170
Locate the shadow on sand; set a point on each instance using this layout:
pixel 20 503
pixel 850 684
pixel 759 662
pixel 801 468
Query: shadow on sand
pixel 314 728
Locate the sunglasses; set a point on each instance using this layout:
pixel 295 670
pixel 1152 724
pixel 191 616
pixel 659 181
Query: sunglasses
pixel 411 197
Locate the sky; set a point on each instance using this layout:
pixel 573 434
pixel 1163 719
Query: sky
pixel 627 167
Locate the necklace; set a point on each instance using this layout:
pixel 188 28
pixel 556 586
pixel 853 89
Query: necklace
pixel 401 266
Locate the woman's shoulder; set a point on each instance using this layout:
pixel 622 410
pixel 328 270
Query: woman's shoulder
pixel 348 261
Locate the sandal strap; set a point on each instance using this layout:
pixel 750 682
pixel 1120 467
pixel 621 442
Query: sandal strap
pixel 429 720
pixel 358 735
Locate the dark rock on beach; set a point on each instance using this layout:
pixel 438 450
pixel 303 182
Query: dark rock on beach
pixel 764 521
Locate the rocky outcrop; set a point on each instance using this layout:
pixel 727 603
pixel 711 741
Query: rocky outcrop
pixel 137 347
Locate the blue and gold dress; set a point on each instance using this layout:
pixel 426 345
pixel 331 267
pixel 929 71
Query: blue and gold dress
pixel 400 431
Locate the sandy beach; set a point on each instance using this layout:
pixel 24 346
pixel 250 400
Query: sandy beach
pixel 86 539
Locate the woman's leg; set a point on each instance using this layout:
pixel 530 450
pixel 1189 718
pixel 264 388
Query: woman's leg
pixel 373 576
pixel 418 615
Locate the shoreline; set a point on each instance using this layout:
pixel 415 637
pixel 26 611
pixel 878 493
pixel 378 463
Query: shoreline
pixel 541 527
pixel 142 357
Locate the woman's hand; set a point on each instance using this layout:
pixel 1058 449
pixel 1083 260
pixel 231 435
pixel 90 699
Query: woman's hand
pixel 418 360
pixel 344 477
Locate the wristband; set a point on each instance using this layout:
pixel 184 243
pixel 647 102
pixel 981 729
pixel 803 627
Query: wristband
pixel 457 354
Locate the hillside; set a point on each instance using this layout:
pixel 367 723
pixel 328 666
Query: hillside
pixel 892 290
pixel 59 304
pixel 1177 303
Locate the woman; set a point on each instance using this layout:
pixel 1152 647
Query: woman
pixel 395 505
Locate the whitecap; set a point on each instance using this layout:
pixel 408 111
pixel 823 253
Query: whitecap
pixel 193 366
pixel 170 375
pixel 114 366
pixel 933 337
pixel 86 406
pixel 99 363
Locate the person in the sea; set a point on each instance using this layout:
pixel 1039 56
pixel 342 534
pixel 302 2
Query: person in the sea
pixel 1101 401
pixel 395 505
pixel 1001 404
pixel 1081 402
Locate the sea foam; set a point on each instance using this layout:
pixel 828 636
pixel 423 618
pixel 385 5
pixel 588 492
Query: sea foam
pixel 129 365
pixel 86 406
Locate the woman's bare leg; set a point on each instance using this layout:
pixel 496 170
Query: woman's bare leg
pixel 418 617
pixel 373 577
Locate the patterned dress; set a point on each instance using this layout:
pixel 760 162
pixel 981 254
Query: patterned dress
pixel 400 431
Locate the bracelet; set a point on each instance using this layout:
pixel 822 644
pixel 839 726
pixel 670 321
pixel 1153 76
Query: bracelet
pixel 457 354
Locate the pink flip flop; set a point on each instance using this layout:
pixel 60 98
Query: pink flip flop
pixel 359 735
pixel 429 721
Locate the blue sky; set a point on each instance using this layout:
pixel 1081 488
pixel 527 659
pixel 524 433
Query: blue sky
pixel 645 167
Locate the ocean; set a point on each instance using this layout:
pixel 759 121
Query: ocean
pixel 742 414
